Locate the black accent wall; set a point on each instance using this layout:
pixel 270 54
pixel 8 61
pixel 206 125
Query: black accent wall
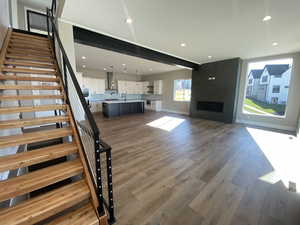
pixel 215 90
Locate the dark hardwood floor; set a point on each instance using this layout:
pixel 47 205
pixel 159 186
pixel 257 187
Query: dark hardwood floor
pixel 201 172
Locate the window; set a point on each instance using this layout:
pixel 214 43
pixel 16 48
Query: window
pixel 276 89
pixel 250 81
pixel 269 96
pixel 182 90
pixel 264 79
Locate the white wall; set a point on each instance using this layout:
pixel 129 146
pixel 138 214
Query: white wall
pixel 65 31
pixel 4 20
pixel 290 121
pixel 14 13
pixel 168 103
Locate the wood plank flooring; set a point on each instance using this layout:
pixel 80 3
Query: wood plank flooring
pixel 200 173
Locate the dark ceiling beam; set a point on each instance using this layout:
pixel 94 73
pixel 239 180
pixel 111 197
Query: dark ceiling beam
pixel 90 38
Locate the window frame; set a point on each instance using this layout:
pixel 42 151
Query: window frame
pixel 174 90
pixel 276 86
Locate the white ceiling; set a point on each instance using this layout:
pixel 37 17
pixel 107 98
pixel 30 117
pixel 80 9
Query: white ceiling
pixel 98 59
pixel 220 28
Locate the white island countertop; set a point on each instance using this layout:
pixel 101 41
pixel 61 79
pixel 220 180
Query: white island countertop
pixel 122 101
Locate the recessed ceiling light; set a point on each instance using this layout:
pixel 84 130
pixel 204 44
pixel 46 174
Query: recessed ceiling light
pixel 83 57
pixel 129 20
pixel 123 64
pixel 275 44
pixel 209 56
pixel 104 69
pixel 83 66
pixel 183 44
pixel 267 18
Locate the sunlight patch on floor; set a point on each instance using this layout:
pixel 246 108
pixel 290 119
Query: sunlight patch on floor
pixel 167 123
pixel 282 151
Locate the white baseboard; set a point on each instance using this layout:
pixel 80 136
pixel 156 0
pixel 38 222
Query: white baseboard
pixel 177 112
pixel 268 125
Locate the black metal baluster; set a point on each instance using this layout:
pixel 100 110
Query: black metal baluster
pixel 48 27
pixel 98 175
pixel 110 186
pixel 65 77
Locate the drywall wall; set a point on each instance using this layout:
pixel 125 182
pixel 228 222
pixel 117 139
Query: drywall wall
pixel 216 83
pixel 4 20
pixel 168 104
pixel 65 31
pixel 14 13
pixel 102 75
pixel 290 122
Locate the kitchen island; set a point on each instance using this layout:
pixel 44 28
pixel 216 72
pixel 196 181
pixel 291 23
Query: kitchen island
pixel 122 107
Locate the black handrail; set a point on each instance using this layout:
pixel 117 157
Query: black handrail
pixel 100 146
pixel 86 108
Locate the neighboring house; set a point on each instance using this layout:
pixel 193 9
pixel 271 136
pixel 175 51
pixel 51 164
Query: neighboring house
pixel 253 84
pixel 270 84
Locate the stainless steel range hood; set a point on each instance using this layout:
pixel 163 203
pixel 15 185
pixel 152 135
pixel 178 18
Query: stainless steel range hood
pixel 111 85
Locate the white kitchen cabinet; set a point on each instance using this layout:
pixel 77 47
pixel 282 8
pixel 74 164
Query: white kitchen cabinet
pixel 133 87
pixel 95 85
pixel 157 89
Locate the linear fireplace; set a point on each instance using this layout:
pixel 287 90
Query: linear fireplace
pixel 214 90
pixel 210 106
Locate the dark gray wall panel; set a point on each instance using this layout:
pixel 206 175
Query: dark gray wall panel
pixel 224 88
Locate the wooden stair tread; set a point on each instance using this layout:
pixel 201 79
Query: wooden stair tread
pixel 32 40
pixel 30 58
pixel 25 70
pixel 28 64
pixel 29 51
pixel 28 78
pixel 17 109
pixel 29 36
pixel 29 87
pixel 27 138
pixel 20 46
pixel 85 215
pixel 29 158
pixel 9 124
pixel 28 43
pixel 44 206
pixel 28 97
pixel 30 54
pixel 38 179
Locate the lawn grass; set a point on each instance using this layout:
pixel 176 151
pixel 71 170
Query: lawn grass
pixel 251 110
pixel 275 109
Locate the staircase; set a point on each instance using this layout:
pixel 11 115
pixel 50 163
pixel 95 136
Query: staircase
pixel 29 63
